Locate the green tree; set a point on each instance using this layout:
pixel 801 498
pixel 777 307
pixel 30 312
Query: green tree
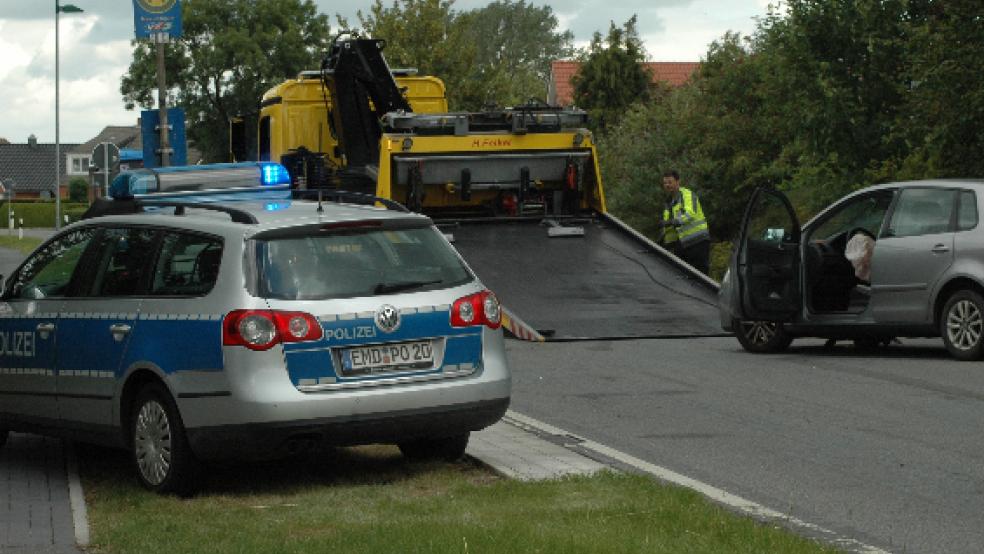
pixel 717 131
pixel 837 76
pixel 231 52
pixel 612 75
pixel 940 128
pixel 499 54
pixel 428 35
pixel 78 189
pixel 513 58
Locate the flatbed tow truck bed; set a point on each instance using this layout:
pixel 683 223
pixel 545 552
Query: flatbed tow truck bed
pixel 610 283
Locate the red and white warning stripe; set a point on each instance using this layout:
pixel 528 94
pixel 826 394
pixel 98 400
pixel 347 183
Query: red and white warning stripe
pixel 519 328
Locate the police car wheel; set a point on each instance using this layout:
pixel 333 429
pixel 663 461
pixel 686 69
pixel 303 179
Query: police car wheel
pixel 448 449
pixel 160 450
pixel 762 337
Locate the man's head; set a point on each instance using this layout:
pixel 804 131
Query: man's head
pixel 671 181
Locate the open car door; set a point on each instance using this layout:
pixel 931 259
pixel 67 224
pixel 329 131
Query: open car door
pixel 768 259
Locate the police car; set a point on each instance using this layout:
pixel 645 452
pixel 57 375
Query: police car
pixel 193 318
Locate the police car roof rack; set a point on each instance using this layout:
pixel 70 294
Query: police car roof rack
pixel 237 215
pixel 104 206
pixel 350 196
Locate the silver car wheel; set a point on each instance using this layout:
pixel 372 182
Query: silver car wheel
pixel 964 325
pixel 759 332
pixel 152 442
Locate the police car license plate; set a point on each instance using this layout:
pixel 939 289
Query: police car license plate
pixel 388 357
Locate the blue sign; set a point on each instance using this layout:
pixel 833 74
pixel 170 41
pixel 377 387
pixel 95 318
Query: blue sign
pixel 150 134
pixel 157 19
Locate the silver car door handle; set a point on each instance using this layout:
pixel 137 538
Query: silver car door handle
pixel 119 330
pixel 45 329
pixel 941 248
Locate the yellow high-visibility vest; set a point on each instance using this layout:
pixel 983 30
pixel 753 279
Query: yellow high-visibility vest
pixel 686 208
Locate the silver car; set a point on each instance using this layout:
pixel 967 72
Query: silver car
pixel 899 259
pixel 249 328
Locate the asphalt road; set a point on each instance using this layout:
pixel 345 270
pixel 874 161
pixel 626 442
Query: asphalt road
pixel 883 446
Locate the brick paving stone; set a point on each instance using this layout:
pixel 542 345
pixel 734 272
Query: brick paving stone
pixel 35 513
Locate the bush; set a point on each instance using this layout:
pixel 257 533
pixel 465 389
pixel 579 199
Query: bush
pixel 78 190
pixel 720 257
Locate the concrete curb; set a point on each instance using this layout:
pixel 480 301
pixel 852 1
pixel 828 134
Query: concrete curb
pixel 76 497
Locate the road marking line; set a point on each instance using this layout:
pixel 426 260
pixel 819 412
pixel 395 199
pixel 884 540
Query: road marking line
pixel 715 494
pixel 76 498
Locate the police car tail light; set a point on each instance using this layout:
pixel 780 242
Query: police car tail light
pixel 481 308
pixel 262 329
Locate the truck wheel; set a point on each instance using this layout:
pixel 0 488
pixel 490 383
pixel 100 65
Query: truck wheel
pixel 962 325
pixel 762 337
pixel 448 449
pixel 161 454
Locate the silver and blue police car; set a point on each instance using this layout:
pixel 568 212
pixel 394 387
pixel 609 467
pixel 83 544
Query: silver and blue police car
pixel 193 319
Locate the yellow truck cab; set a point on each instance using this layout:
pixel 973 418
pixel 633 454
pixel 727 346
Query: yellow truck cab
pixel 358 125
pixel 294 114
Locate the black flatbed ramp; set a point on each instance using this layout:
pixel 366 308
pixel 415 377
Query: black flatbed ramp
pixel 605 284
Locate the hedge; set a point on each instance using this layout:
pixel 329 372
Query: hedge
pixel 40 214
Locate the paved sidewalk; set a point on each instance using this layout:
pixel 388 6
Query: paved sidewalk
pixel 512 450
pixel 35 512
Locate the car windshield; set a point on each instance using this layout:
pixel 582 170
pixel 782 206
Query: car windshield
pixel 357 262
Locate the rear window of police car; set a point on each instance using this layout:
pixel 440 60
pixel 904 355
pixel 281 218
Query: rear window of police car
pixel 347 260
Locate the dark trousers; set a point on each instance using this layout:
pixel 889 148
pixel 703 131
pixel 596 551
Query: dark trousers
pixel 698 254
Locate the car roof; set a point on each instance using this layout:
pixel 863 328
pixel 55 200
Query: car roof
pixel 976 184
pixel 927 183
pixel 268 214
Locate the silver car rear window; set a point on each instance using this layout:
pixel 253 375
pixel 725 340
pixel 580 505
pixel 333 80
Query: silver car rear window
pixel 351 262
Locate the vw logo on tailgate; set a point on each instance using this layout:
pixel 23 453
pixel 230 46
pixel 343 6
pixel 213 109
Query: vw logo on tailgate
pixel 387 318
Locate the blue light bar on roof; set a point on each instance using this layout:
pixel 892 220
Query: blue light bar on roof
pixel 197 180
pixel 274 174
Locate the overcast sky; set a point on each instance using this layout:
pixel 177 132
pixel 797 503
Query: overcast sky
pixel 95 51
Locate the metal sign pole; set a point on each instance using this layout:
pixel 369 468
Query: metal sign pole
pixel 162 105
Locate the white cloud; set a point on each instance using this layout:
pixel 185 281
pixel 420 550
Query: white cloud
pixel 12 53
pixel 706 21
pixel 90 70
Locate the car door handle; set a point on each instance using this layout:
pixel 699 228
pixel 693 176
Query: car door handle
pixel 119 330
pixel 941 248
pixel 45 329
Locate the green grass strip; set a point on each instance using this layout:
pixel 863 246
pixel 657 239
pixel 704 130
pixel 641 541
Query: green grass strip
pixel 367 500
pixel 25 245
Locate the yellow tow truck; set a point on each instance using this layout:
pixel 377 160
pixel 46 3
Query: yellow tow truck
pixel 503 184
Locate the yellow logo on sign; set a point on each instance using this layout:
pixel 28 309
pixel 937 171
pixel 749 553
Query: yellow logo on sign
pixel 157 6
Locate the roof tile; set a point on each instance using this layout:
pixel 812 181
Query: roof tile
pixel 561 92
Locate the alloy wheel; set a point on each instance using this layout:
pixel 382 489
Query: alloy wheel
pixel 964 325
pixel 759 332
pixel 152 442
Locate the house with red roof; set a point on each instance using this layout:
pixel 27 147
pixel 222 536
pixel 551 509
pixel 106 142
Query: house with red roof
pixel 560 91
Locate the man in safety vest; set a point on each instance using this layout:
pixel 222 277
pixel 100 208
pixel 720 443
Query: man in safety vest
pixel 684 227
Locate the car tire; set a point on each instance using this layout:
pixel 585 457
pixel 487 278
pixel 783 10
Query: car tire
pixel 448 449
pixel 962 325
pixel 762 337
pixel 3 436
pixel 161 455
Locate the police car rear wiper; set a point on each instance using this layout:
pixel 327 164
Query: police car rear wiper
pixel 383 288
